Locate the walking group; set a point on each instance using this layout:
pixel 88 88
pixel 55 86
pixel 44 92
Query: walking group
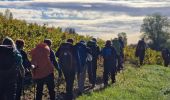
pixel 73 60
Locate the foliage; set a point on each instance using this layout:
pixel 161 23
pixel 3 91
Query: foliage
pixel 34 33
pixel 151 56
pixel 155 28
pixel 145 83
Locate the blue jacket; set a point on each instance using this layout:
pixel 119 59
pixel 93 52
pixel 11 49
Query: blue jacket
pixel 81 56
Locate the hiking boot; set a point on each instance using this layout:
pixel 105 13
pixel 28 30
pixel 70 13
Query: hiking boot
pixel 79 93
pixel 93 85
pixel 106 84
pixel 113 81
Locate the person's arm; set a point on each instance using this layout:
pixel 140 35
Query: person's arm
pixel 55 63
pixel 19 62
pixel 26 62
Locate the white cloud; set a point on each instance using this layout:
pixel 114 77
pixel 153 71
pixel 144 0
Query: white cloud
pixel 100 18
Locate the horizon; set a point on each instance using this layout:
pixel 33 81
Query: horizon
pixel 98 18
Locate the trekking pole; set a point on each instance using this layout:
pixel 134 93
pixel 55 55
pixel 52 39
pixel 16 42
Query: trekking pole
pixel 34 89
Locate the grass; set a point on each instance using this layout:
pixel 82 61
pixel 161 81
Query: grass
pixel 149 82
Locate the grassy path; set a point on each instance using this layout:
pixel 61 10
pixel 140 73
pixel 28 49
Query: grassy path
pixel 150 82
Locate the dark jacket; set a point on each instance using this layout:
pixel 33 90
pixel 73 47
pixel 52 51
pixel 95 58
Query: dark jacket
pixel 81 51
pixel 64 65
pixel 95 50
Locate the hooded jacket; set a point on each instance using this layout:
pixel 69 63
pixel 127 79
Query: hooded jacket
pixel 41 59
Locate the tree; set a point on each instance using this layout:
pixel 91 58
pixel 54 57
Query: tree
pixel 70 30
pixel 124 37
pixel 155 29
pixel 8 14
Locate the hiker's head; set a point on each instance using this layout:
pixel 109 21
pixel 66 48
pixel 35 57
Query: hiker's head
pixel 94 39
pixel 8 41
pixel 19 43
pixel 120 38
pixel 83 42
pixel 143 39
pixel 70 41
pixel 48 42
pixel 108 43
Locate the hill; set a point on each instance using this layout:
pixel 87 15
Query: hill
pixel 150 82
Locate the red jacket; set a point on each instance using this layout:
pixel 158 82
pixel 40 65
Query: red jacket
pixel 41 59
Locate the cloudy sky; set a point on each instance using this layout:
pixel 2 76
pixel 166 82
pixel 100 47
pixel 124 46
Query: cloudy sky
pixel 99 18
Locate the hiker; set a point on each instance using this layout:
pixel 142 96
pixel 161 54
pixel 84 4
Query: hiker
pixel 67 61
pixel 92 66
pixel 116 44
pixel 109 56
pixel 10 65
pixel 43 73
pixel 122 48
pixel 26 64
pixel 165 55
pixel 52 57
pixel 140 50
pixel 82 52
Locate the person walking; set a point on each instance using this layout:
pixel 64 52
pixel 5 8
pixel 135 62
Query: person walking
pixel 67 61
pixel 43 73
pixel 109 56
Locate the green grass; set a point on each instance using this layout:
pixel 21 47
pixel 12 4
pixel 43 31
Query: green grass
pixel 150 82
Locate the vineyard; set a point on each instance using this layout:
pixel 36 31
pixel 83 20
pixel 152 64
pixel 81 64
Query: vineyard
pixel 33 33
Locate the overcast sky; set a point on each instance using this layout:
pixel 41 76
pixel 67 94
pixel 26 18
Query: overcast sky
pixel 99 18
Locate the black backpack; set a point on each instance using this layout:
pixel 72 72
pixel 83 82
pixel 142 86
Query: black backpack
pixel 108 53
pixel 94 49
pixel 7 57
pixel 66 56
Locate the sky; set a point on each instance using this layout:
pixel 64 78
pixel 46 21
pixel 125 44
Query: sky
pixel 98 18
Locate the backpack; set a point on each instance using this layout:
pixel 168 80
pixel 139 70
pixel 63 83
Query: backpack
pixel 66 56
pixel 82 53
pixel 116 44
pixel 107 53
pixel 7 57
pixel 94 48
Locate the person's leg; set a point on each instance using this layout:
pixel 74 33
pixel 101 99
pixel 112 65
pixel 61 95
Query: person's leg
pixel 119 66
pixel 90 74
pixel 113 74
pixel 94 69
pixel 19 88
pixel 141 57
pixel 10 93
pixel 69 78
pixel 50 85
pixel 166 62
pixel 105 74
pixel 39 89
pixel 81 80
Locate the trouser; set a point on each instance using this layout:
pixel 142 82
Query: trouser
pixel 119 63
pixel 141 58
pixel 109 68
pixel 19 87
pixel 49 80
pixel 166 62
pixel 69 78
pixel 81 79
pixel 7 88
pixel 92 68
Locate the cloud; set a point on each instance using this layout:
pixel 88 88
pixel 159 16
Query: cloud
pixel 99 18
